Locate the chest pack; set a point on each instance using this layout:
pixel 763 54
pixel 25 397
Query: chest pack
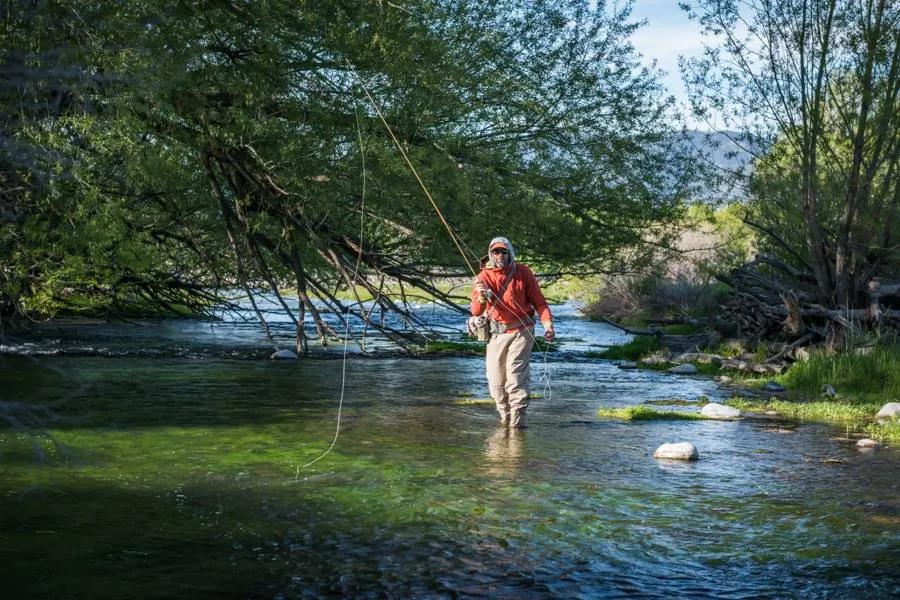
pixel 483 327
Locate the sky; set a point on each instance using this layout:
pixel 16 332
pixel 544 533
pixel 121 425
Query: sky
pixel 667 35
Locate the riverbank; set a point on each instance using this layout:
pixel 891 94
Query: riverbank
pixel 847 388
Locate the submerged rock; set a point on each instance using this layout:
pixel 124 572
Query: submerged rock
pixel 628 364
pixel 714 410
pixel 284 354
pixel 773 386
pixel 677 451
pixel 867 443
pixel 655 359
pixel 701 357
pixel 685 369
pixel 891 410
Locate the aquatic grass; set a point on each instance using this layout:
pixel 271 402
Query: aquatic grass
pixel 469 400
pixel 679 402
pixel 820 411
pixel 645 413
pixel 639 347
pixel 708 368
pixel 452 347
pixel 475 348
pixel 887 432
pixel 832 412
pixel 465 401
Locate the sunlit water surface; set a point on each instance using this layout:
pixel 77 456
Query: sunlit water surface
pixel 161 460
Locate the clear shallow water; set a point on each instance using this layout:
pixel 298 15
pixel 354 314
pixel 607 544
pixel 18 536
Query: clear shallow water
pixel 175 477
pixel 238 334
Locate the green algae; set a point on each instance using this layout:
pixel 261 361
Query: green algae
pixel 644 413
pixel 474 401
pixel 176 480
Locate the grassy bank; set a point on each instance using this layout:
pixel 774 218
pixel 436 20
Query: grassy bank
pixel 873 377
pixel 863 382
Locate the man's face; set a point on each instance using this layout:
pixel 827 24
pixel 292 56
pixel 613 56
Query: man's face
pixel 500 256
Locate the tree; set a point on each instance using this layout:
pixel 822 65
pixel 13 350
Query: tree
pixel 231 144
pixel 814 83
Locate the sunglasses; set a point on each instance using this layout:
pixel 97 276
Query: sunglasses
pixel 499 251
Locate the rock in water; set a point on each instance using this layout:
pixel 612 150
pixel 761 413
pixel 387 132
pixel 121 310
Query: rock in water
pixel 284 354
pixel 720 411
pixel 891 410
pixel 866 443
pixel 628 364
pixel 677 451
pixel 685 369
pixel 772 386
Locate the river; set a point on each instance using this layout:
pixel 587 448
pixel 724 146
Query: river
pixel 160 459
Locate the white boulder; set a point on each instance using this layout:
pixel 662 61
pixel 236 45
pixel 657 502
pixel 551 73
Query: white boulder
pixel 677 451
pixel 284 355
pixel 720 411
pixel 685 369
pixel 891 410
pixel 866 443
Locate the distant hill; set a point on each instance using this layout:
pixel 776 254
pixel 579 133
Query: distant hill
pixel 723 151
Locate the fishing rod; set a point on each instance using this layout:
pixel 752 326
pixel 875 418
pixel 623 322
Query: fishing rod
pixel 457 241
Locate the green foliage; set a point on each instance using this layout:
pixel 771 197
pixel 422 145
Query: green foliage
pixel 250 120
pixel 735 242
pixel 823 189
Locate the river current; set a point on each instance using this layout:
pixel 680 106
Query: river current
pixel 162 459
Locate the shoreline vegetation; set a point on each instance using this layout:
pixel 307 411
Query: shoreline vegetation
pixel 835 387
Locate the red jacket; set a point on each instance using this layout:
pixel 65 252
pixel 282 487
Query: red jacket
pixel 522 297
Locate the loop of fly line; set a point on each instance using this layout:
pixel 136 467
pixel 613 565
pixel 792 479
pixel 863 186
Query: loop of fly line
pixel 457 241
pixel 362 223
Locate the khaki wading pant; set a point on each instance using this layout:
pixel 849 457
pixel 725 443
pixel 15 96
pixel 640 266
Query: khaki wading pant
pixel 508 358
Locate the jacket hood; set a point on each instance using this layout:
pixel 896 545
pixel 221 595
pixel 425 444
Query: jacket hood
pixel 505 242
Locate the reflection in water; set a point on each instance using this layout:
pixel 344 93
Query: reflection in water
pixel 503 451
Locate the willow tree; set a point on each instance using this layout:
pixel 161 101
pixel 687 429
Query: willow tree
pixel 814 84
pixel 239 147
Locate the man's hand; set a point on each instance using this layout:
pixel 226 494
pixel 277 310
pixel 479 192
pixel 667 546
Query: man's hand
pixel 549 332
pixel 483 290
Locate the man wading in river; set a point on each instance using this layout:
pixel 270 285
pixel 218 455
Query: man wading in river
pixel 508 293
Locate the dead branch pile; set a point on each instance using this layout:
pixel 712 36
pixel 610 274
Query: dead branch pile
pixel 772 300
